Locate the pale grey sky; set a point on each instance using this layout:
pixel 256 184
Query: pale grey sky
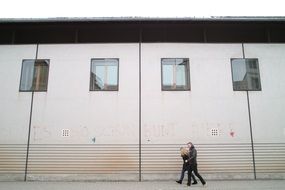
pixel 139 8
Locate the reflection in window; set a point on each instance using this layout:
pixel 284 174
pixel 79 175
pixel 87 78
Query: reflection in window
pixel 34 75
pixel 175 74
pixel 245 74
pixel 104 74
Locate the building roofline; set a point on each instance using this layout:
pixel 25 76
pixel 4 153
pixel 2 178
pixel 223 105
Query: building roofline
pixel 137 19
pixel 142 29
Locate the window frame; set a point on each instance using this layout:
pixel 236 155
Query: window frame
pixel 187 80
pixel 117 89
pixel 34 60
pixel 257 67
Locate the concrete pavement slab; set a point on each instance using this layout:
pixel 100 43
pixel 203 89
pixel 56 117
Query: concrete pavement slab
pixel 146 185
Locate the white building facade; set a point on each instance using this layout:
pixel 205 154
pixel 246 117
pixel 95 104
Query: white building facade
pixel 130 123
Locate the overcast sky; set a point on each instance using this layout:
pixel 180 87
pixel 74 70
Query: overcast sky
pixel 139 8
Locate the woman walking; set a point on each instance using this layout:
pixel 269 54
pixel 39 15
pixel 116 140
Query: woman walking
pixel 185 156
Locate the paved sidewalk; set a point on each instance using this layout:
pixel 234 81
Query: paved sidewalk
pixel 150 185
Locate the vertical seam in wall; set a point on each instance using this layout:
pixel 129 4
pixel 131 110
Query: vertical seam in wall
pixel 205 35
pixel 268 35
pixel 30 123
pixel 140 166
pixel 13 37
pixel 250 125
pixel 76 35
pixel 243 54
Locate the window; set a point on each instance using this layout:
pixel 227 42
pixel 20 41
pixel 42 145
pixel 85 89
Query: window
pixel 245 74
pixel 34 76
pixel 175 74
pixel 104 74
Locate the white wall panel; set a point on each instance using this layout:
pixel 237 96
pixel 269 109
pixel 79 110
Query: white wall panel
pixel 110 117
pixel 267 106
pixel 181 116
pixel 15 105
pixel 267 110
pixel 104 126
pixel 14 111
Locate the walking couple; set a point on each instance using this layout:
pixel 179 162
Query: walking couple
pixel 189 156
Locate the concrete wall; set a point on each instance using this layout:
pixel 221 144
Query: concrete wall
pixel 267 105
pixel 268 122
pixel 109 117
pixel 104 126
pixel 211 103
pixel 15 106
pixel 14 111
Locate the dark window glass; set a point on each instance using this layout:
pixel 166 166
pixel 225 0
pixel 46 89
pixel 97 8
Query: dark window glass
pixel 104 74
pixel 175 74
pixel 34 75
pixel 245 74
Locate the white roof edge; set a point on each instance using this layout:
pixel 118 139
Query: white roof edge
pixel 108 19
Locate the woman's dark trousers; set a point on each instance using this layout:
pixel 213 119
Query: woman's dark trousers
pixel 184 169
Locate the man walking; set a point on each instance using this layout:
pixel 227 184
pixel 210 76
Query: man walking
pixel 193 164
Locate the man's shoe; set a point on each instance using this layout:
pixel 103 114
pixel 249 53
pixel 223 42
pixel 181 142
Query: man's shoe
pixel 194 183
pixel 188 184
pixel 205 184
pixel 179 181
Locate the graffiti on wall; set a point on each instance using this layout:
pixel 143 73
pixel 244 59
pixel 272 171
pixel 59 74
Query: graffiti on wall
pixel 159 130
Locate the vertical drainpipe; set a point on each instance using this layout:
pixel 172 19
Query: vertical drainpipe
pixel 30 124
pixel 140 120
pixel 250 125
